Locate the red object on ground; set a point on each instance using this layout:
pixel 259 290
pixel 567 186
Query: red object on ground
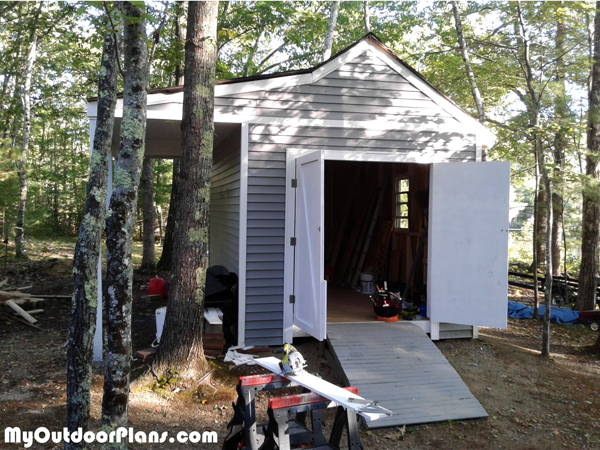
pixel 388 319
pixel 156 286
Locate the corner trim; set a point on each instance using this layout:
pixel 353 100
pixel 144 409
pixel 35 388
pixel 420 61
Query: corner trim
pixel 243 235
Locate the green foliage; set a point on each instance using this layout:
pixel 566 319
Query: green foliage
pixel 261 37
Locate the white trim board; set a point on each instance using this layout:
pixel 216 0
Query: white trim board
pixel 243 235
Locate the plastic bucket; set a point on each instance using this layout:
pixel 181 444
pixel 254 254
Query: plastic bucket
pixel 160 322
pixel 367 287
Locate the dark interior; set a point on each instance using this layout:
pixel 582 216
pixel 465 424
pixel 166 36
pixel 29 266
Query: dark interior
pixel 392 200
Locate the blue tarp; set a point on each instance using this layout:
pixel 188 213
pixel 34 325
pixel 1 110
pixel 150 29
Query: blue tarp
pixel 561 315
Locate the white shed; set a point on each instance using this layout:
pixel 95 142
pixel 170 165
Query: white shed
pixel 294 151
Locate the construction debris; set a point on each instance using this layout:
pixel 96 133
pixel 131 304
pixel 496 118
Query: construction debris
pixel 20 311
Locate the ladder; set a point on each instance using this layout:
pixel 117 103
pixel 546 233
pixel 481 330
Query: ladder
pixel 364 239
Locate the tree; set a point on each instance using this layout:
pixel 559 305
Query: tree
pixel 561 140
pixel 464 51
pixel 120 220
pixel 26 105
pixel 590 239
pixel 148 248
pixel 181 342
pixel 333 15
pixel 166 256
pixel 87 251
pixel 367 16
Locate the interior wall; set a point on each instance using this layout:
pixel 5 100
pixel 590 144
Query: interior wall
pixel 350 193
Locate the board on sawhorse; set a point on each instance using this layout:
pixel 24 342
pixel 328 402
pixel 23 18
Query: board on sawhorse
pixel 288 414
pixel 353 402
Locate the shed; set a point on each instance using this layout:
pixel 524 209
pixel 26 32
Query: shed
pixel 309 163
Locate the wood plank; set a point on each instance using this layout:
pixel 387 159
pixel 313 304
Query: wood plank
pixel 20 311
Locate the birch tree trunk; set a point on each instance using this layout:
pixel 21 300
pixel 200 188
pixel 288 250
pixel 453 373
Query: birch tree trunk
pixel 148 249
pixel 590 239
pixel 181 342
pixel 464 51
pixel 85 261
pixel 120 220
pixel 335 9
pixel 22 160
pixel 367 16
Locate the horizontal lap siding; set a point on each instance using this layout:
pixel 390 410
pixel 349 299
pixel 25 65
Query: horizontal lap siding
pixel 225 204
pixel 364 89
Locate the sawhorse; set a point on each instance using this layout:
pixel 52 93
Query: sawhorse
pixel 243 428
pixel 288 414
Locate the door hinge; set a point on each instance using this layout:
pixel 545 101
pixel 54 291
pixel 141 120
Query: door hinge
pixel 293 241
pixel 293 299
pixel 294 182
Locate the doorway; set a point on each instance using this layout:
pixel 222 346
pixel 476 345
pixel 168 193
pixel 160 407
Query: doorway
pixel 375 221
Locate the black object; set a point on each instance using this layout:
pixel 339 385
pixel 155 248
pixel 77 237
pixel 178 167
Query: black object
pixel 222 292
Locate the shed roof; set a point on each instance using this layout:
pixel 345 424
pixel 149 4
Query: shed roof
pixel 305 76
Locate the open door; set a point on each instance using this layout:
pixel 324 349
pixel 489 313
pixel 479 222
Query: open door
pixel 467 278
pixel 310 288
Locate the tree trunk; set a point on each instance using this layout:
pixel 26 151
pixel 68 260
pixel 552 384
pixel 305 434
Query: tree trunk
pixel 181 342
pixel 85 261
pixel 548 290
pixel 164 263
pixel 148 251
pixel 535 263
pixel 180 39
pixel 590 239
pixel 166 257
pixel 120 220
pixel 540 243
pixel 22 160
pixel 335 9
pixel 464 51
pixel 367 16
pixel 561 145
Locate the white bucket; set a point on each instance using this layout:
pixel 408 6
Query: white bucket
pixel 367 287
pixel 366 276
pixel 160 322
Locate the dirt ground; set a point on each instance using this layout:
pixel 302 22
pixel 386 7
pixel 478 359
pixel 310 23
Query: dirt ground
pixel 532 403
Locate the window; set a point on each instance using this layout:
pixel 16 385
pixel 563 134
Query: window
pixel 401 188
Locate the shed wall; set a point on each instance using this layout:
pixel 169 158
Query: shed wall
pixel 365 89
pixel 225 204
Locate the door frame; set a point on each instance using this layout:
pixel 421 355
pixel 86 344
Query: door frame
pixel 353 154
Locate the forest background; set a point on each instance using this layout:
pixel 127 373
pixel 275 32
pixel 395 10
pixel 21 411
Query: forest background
pixel 515 49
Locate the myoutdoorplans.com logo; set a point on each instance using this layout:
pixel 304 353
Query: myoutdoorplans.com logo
pixel 14 435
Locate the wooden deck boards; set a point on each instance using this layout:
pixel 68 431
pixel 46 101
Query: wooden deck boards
pixel 398 365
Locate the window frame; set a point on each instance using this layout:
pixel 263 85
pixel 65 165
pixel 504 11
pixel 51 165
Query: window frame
pixel 398 192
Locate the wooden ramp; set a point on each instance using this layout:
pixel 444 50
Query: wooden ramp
pixel 398 365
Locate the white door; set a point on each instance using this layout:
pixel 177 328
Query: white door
pixel 310 288
pixel 467 277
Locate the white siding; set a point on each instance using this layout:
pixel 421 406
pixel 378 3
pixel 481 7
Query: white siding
pixel 362 89
pixel 225 204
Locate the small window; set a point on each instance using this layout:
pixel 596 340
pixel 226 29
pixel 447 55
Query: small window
pixel 401 189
